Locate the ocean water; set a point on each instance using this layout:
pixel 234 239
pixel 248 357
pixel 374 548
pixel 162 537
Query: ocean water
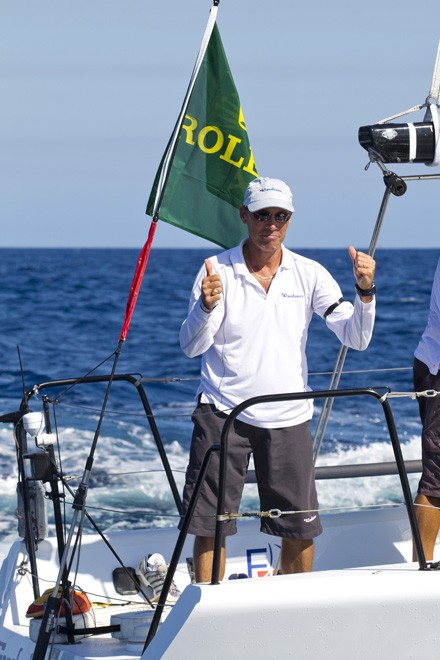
pixel 62 312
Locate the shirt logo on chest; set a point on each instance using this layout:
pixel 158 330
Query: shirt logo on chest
pixel 292 295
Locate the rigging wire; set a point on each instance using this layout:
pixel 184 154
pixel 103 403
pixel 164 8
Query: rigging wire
pixel 177 379
pixel 81 378
pixel 343 350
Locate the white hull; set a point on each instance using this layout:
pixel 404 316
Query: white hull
pixel 365 598
pixel 387 612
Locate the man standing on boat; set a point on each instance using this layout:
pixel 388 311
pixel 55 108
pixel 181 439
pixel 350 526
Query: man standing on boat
pixel 426 373
pixel 248 316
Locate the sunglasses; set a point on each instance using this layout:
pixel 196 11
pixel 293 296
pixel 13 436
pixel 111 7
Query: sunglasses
pixel 265 216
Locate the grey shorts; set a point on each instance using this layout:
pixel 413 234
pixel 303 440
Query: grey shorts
pixel 283 460
pixel 429 408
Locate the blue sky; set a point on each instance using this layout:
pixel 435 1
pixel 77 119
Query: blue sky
pixel 91 91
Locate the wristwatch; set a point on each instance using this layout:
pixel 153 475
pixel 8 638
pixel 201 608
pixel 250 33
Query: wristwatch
pixel 365 293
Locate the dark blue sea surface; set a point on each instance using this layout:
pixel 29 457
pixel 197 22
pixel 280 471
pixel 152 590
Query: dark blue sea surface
pixel 63 310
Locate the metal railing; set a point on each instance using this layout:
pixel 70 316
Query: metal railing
pixel 331 472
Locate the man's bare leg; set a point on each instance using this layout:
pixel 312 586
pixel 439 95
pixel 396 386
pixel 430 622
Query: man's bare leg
pixel 428 518
pixel 296 556
pixel 203 556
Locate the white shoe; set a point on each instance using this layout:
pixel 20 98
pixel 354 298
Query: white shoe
pixel 151 573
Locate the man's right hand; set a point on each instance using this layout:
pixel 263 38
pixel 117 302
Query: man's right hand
pixel 211 287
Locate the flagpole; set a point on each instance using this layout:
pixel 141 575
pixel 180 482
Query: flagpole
pixel 168 159
pixel 137 281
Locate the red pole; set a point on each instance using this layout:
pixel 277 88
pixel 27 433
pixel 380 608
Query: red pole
pixel 137 281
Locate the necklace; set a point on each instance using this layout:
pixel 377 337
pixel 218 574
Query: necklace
pixel 260 277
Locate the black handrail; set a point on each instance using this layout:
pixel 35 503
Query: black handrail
pixel 296 396
pixel 384 469
pixel 129 378
pixel 172 567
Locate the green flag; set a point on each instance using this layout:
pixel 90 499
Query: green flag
pixel 212 162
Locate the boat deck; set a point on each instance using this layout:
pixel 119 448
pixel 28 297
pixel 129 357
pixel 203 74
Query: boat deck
pixel 363 575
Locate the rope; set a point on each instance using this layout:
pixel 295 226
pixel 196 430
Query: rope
pixel 277 513
pixel 427 506
pixel 411 395
pixel 361 371
pixel 400 114
pixel 145 514
pixel 271 513
pixel 177 379
pixel 35 389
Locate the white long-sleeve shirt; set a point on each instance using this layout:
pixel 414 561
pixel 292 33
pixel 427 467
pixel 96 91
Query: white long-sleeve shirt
pixel 254 343
pixel 428 349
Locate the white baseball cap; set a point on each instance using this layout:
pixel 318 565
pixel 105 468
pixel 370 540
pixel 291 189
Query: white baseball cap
pixel 264 192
